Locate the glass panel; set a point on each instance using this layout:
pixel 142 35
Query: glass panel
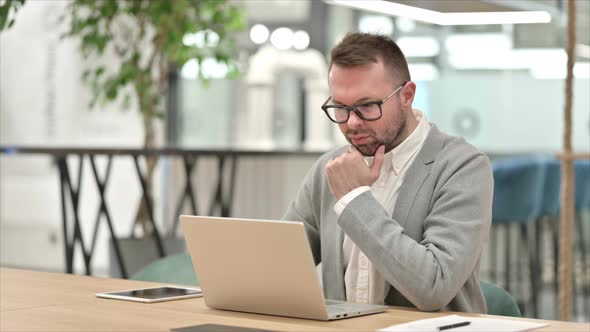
pixel 205 113
pixel 288 110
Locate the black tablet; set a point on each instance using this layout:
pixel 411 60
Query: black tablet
pixel 150 295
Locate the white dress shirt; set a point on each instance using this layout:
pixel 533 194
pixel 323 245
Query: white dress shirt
pixel 363 282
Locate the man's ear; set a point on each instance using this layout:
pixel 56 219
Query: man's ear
pixel 407 93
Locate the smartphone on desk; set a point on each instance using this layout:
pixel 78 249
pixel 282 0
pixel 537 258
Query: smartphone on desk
pixel 151 295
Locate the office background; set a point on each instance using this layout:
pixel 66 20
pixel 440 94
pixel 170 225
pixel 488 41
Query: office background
pixel 501 86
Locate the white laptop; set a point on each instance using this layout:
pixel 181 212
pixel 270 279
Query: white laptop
pixel 261 266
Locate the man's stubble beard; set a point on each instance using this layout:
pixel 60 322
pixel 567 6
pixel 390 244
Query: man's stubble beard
pixel 390 141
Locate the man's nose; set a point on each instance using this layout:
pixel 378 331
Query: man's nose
pixel 354 120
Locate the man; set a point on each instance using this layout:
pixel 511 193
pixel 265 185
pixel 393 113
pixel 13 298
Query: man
pixel 399 216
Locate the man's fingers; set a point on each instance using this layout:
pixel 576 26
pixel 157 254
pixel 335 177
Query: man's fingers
pixel 378 160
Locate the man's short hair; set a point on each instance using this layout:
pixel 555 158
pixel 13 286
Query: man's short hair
pixel 357 49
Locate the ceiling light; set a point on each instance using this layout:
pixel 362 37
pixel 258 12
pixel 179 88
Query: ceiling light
pixel 201 39
pixel 434 17
pixel 282 38
pixel 405 24
pixel 581 71
pixel 190 70
pixel 423 71
pixel 583 51
pixel 476 51
pixel 214 69
pixel 259 34
pixel 542 63
pixel 541 57
pixel 209 67
pixel 300 40
pixel 478 42
pixel 419 46
pixel 482 18
pixel 376 23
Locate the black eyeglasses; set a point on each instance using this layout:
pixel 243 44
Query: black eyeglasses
pixel 369 111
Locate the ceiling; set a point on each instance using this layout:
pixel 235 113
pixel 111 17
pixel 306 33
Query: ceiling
pixel 526 35
pixel 448 6
pixel 456 6
pixel 548 35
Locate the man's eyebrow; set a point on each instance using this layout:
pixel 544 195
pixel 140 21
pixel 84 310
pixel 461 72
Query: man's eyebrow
pixel 358 101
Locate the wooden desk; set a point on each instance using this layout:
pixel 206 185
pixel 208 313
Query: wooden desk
pixel 41 301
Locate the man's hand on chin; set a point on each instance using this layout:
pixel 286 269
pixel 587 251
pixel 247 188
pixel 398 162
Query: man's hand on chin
pixel 349 171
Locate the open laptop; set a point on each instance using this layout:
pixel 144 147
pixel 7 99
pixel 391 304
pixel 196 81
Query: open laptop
pixel 261 266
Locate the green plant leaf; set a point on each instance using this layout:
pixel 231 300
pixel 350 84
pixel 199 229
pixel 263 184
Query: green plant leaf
pixel 6 8
pixel 138 68
pixel 126 103
pixel 99 71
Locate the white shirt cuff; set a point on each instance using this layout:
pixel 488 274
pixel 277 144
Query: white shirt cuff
pixel 343 202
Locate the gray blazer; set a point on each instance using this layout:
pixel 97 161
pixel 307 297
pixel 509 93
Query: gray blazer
pixel 429 249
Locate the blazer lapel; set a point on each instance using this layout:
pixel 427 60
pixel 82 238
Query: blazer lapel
pixel 333 263
pixel 416 175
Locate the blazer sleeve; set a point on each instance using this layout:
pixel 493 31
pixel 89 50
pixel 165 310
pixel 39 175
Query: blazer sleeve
pixel 431 271
pixel 304 208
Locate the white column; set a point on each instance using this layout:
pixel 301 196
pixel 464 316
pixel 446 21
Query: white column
pixel 317 126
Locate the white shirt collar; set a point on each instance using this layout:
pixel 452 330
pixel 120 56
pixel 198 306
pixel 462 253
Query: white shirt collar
pixel 397 158
pixel 402 153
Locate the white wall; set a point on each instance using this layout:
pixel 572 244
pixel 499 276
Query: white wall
pixel 517 113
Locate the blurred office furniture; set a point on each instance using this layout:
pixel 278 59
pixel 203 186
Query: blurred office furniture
pixel 527 200
pixel 582 192
pixel 499 301
pixel 551 209
pixel 518 194
pixel 66 157
pixel 174 269
pixel 582 225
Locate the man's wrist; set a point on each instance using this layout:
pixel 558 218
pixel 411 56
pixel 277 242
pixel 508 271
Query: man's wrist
pixel 343 202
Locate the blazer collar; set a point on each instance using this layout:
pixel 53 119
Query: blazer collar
pixel 432 145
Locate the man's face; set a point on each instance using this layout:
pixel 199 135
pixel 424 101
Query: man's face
pixel 372 82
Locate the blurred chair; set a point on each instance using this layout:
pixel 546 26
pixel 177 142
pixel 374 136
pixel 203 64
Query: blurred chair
pixel 174 269
pixel 582 173
pixel 582 204
pixel 518 196
pixel 551 208
pixel 499 301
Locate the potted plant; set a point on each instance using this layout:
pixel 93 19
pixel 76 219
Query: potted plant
pixel 149 39
pixel 144 41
